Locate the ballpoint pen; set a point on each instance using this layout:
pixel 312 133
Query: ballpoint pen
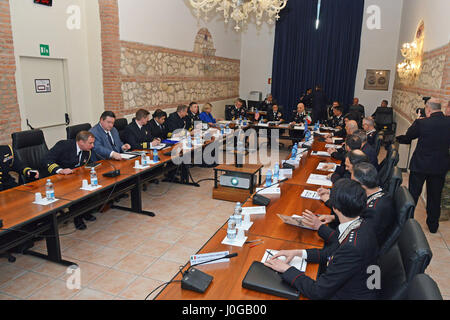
pixel 253 241
pixel 256 244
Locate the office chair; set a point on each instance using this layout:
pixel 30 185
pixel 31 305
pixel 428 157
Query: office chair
pixel 404 208
pixel 31 149
pixel 228 115
pixel 423 287
pixel 120 125
pixel 72 131
pixel 395 182
pixel 384 121
pixel 387 168
pixel 378 140
pixel 409 257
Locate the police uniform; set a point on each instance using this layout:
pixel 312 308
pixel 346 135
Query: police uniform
pixel 337 121
pixel 157 130
pixel 9 163
pixel 372 137
pixel 64 155
pixel 191 118
pixel 137 138
pixel 299 117
pixel 175 122
pixel 274 116
pixel 238 113
pixel 347 260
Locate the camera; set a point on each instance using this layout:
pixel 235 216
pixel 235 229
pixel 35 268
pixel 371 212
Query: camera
pixel 422 110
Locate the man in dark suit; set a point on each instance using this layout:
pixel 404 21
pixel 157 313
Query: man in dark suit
pixel 107 140
pixel 67 155
pixel 137 134
pixel 357 108
pixel 369 127
pixel 306 99
pixel 319 105
pixel 10 163
pixel 430 161
pixel 177 120
pixel 347 259
pixel 157 125
pixel 367 148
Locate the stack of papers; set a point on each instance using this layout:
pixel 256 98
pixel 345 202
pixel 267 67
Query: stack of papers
pixel 323 164
pixel 254 210
pixel 320 180
pixel 297 262
pixel 308 194
pixel 335 146
pixel 270 190
pixel 320 154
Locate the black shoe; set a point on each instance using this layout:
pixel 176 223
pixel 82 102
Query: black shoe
pixel 79 224
pixel 433 228
pixel 89 217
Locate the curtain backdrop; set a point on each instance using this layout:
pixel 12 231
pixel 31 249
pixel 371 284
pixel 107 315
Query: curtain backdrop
pixel 304 57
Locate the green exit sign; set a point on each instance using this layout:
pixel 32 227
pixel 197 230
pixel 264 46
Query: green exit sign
pixel 45 50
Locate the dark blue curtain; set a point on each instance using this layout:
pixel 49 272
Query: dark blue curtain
pixel 304 57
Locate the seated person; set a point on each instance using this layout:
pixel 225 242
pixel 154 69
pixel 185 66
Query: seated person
pixel 300 117
pixel 67 155
pixel 352 142
pixel 206 115
pixel 350 127
pixel 266 105
pixel 371 132
pixel 275 114
pixel 238 111
pixel 346 262
pixel 384 104
pixel 380 209
pixel 193 116
pixel 338 118
pixel 357 108
pixel 137 134
pixel 177 120
pixel 345 171
pixel 107 141
pixel 367 148
pixel 10 163
pixel 157 125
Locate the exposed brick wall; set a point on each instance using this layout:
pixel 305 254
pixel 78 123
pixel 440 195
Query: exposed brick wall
pixel 9 108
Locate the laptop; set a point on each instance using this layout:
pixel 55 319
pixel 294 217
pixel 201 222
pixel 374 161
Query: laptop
pixel 263 279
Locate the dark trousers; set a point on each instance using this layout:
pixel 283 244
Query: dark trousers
pixel 435 184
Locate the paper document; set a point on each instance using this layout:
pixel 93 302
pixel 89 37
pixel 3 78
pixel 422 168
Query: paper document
pixel 263 124
pixel 297 262
pixel 320 180
pixel 294 220
pixel 287 173
pixel 158 147
pixel 322 165
pixel 299 127
pixel 127 156
pixel 320 153
pixel 254 210
pixel 335 146
pixel 269 191
pixel 308 194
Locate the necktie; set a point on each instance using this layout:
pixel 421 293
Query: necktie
pixel 79 158
pixel 110 139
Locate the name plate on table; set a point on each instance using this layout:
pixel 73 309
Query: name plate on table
pixel 287 173
pixel 284 125
pixel 199 258
pixel 90 187
pixel 309 194
pixel 263 124
pixel 254 210
pixel 320 154
pixel 269 191
pixel 45 201
pixel 318 179
pixel 321 167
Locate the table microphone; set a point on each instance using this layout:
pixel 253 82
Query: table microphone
pixel 110 174
pixel 261 200
pixel 198 281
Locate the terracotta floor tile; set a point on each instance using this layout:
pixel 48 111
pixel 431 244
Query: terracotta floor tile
pixel 90 294
pixel 56 290
pixel 206 228
pixel 127 241
pixel 135 263
pixel 6 297
pixel 179 253
pixel 88 272
pixel 102 237
pixel 112 282
pixel 169 234
pixel 82 251
pixel 140 288
pixel 27 262
pixel 194 240
pixel 9 271
pixel 51 269
pixel 26 284
pixel 107 256
pixel 154 248
pixel 162 270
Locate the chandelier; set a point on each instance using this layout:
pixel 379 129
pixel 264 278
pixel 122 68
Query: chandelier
pixel 239 10
pixel 411 66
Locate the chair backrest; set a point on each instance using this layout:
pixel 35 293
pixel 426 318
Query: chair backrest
pixel 120 124
pixel 404 260
pixel 72 131
pixel 31 149
pixel 384 116
pixel 423 287
pixel 404 208
pixel 395 181
pixel 378 141
pixel 228 115
pixel 253 104
pixel 385 172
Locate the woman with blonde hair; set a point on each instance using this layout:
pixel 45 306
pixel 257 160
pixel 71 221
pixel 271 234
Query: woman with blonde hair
pixel 206 115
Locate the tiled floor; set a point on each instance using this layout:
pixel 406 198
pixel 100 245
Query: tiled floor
pixel 125 256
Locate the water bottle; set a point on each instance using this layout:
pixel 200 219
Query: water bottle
pixel 189 142
pixel 294 152
pixel 268 178
pixel 238 214
pixel 155 155
pixel 143 160
pixel 221 130
pixel 49 190
pixel 240 120
pixel 94 181
pixel 276 173
pixel 316 126
pixel 231 230
pixel 307 135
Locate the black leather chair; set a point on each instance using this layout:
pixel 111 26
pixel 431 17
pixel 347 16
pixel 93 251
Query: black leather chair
pixel 228 115
pixel 423 287
pixel 378 141
pixel 386 169
pixel 395 182
pixel 120 125
pixel 409 257
pixel 384 121
pixel 31 149
pixel 72 131
pixel 404 208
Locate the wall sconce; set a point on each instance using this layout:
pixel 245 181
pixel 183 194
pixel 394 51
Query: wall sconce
pixel 410 68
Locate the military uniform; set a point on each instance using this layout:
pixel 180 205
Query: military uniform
pixel 137 138
pixel 237 113
pixel 372 137
pixel 9 163
pixel 175 122
pixel 347 260
pixel 191 118
pixel 274 116
pixel 64 155
pixel 157 130
pixel 337 121
pixel 299 117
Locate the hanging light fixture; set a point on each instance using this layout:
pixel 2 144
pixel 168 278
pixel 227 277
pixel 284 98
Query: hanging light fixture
pixel 239 10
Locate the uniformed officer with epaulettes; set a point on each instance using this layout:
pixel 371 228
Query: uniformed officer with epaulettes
pixel 177 120
pixel 238 111
pixel 137 133
pixel 275 114
pixel 347 259
pixel 9 163
pixel 337 121
pixel 298 119
pixel 193 116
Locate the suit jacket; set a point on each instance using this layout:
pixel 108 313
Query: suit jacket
pixel 102 146
pixel 274 117
pixel 137 138
pixel 236 113
pixel 371 154
pixel 346 273
pixel 64 156
pixel 380 212
pixel 432 152
pixel 157 131
pixel 174 122
pixel 8 163
pixel 191 118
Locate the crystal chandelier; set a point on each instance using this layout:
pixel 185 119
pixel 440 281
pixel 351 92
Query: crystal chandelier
pixel 239 10
pixel 410 68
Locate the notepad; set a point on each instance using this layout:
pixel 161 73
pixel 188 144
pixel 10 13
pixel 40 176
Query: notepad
pixel 318 179
pixel 320 153
pixel 308 194
pixel 296 262
pixel 254 210
pixel 323 164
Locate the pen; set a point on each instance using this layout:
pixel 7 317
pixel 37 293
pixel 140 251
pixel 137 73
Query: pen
pixel 256 244
pixel 253 241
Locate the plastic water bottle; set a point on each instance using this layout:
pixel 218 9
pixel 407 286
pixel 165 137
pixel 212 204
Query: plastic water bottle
pixel 231 230
pixel 221 129
pixel 155 155
pixel 276 173
pixel 294 152
pixel 240 120
pixel 49 190
pixel 268 178
pixel 143 160
pixel 316 126
pixel 307 135
pixel 94 180
pixel 189 142
pixel 238 214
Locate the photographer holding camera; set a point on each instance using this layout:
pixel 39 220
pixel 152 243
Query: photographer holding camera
pixel 430 161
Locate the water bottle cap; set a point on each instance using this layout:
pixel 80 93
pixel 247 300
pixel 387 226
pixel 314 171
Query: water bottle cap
pixel 48 180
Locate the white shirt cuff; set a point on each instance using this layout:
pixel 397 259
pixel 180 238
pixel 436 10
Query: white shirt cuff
pixel 304 254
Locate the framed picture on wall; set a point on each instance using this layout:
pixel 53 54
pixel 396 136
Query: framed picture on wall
pixel 377 80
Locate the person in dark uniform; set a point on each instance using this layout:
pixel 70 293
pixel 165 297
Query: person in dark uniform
pixel 367 148
pixel 192 116
pixel 67 155
pixel 177 120
pixel 157 126
pixel 347 260
pixel 357 108
pixel 299 118
pixel 137 133
pixel 275 114
pixel 345 170
pixel 384 104
pixel 306 99
pixel 319 105
pixel 380 209
pixel 369 127
pixel 337 121
pixel 430 161
pixel 267 104
pixel 238 111
pixel 9 163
